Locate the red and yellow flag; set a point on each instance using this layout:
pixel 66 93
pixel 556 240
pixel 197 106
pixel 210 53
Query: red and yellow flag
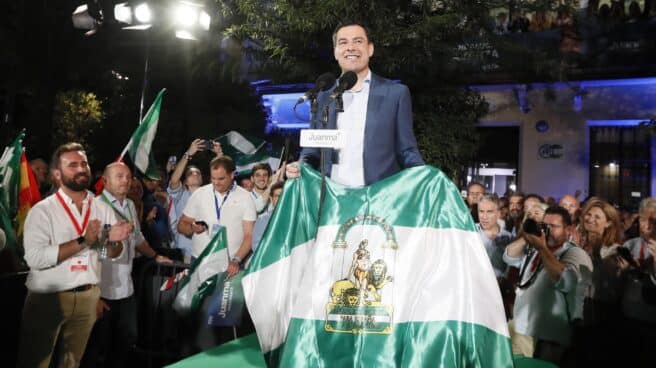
pixel 28 192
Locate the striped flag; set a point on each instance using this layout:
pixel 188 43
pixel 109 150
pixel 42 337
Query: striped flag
pixel 394 275
pixel 28 192
pixel 246 151
pixel 203 274
pixel 139 148
pixel 9 181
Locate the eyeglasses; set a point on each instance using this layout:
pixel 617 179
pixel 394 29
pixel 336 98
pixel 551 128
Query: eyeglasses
pixel 552 226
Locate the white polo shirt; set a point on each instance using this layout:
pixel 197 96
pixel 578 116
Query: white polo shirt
pixel 46 227
pixel 237 208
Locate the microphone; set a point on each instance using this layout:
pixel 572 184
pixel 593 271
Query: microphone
pixel 346 82
pixel 323 83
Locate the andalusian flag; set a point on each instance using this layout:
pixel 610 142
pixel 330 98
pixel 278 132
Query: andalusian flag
pixel 139 148
pixel 28 192
pixel 9 181
pixel 247 151
pixel 395 275
pixel 203 275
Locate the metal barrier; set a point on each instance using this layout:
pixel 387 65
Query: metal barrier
pixel 160 331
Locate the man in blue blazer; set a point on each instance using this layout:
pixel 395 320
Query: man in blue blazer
pixel 377 119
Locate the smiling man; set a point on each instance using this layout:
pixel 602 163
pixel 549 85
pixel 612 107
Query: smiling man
pixel 377 118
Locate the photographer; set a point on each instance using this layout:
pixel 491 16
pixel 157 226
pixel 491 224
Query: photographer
pixel 553 276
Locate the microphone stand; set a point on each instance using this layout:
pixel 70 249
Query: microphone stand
pixel 322 161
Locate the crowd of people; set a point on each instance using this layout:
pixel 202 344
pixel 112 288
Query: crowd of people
pixel 578 279
pixel 130 218
pixel 607 14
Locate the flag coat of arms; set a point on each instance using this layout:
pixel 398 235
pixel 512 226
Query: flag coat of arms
pixel 395 275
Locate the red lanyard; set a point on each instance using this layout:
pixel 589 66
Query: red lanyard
pixel 80 229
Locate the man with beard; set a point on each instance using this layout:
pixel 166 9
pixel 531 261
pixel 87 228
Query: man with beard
pixel 116 330
pixel 554 278
pixel 515 213
pixel 62 235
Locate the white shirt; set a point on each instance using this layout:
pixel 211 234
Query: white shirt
pixel 46 227
pixel 350 170
pixel 116 281
pixel 237 208
pixel 541 310
pixel 261 204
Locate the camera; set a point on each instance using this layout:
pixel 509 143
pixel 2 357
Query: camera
pixel 532 227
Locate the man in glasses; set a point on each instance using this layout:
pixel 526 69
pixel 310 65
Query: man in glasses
pixel 554 276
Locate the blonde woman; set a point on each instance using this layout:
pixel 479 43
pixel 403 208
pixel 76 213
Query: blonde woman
pixel 601 233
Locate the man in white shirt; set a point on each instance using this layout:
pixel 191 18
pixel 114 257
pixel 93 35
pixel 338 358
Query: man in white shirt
pixel 61 237
pixel 116 330
pixel 220 203
pixel 551 290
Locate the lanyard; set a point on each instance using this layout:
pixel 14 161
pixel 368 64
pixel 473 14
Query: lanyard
pixel 127 217
pixel 216 202
pixel 80 229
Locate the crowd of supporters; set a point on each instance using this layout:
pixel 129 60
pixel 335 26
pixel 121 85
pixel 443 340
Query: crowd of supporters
pixel 579 291
pixel 578 278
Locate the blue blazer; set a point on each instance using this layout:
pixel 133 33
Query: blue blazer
pixel 389 142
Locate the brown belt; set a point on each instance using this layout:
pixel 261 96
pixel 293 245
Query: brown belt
pixel 80 288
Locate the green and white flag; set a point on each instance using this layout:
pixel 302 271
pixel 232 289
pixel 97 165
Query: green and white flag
pixel 10 174
pixel 9 185
pixel 395 276
pixel 203 275
pixel 247 151
pixel 139 148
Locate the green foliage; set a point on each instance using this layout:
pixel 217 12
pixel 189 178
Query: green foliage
pixel 445 125
pixel 76 116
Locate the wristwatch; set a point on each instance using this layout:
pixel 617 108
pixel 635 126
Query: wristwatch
pixel 236 259
pixel 80 240
pixel 186 156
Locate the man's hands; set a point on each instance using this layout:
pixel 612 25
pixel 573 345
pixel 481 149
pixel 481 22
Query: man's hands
pixel 216 148
pixel 120 231
pixel 233 269
pixel 197 228
pixel 101 307
pixel 92 233
pixel 163 259
pixel 293 170
pixel 539 242
pixel 195 146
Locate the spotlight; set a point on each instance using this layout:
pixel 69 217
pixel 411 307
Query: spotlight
pixel 142 13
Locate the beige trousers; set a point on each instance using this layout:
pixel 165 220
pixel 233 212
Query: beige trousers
pixel 65 316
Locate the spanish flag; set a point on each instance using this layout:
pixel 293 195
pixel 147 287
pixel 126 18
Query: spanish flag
pixel 28 192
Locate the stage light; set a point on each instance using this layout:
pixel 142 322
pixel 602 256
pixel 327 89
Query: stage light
pixel 83 19
pixel 123 13
pixel 142 13
pixel 186 14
